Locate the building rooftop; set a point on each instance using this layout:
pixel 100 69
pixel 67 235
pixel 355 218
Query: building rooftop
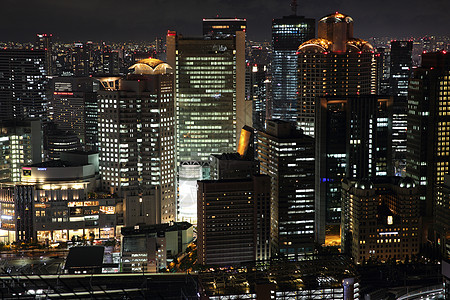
pixel 56 164
pixel 149 66
pixel 336 18
pixel 315 272
pixel 231 156
pixel 166 227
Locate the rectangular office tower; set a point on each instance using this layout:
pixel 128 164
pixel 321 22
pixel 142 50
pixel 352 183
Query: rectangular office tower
pixel 400 67
pixel 428 134
pixel 137 141
pixel 288 33
pixel 23 80
pixel 223 26
pixel 234 222
pixel 20 144
pixel 287 156
pixel 73 107
pixel 353 140
pixel 335 64
pixel 210 91
pixel 380 219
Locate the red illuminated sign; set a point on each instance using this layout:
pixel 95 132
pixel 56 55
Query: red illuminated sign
pixel 63 93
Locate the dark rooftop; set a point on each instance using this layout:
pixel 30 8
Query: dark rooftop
pixel 56 164
pixel 166 227
pixel 85 257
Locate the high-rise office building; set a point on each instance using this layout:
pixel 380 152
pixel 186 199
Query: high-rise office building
pixel 23 83
pixel 81 59
pixel 20 144
pixel 287 156
pixel 73 106
pixel 210 91
pixel 223 26
pixel 336 63
pixel 256 91
pixel 383 59
pixel 109 63
pixel 400 70
pixel 234 222
pixel 400 67
pixel 288 33
pixel 137 141
pixel 44 42
pixel 380 219
pixel 428 155
pixel 353 140
pixel 442 221
pixel 211 106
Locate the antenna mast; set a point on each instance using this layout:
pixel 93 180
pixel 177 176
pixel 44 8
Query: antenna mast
pixel 294 7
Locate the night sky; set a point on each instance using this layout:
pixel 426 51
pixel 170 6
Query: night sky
pixel 141 20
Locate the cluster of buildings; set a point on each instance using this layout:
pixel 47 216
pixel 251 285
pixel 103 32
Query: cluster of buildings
pixel 267 157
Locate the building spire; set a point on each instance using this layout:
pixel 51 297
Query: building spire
pixel 294 7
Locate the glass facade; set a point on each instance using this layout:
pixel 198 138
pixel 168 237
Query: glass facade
pixel 428 131
pixel 287 156
pixel 23 83
pixel 206 89
pixel 352 141
pixel 288 34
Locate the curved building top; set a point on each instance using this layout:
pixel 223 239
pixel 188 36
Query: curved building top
pixel 335 35
pixel 149 66
pixel 336 18
pixel 322 44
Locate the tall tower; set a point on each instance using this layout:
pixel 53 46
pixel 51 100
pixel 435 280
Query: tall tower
pixel 210 76
pixel 23 83
pixel 73 106
pixel 335 63
pixel 44 42
pixel 287 156
pixel 428 155
pixel 137 141
pixel 401 64
pixel 211 107
pixel 287 34
pixel 400 71
pixel 353 140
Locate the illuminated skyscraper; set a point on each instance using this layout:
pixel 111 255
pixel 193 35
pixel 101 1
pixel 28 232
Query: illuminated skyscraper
pixel 335 63
pixel 23 82
pixel 399 73
pixel 44 42
pixel 73 106
pixel 20 144
pixel 137 141
pixel 400 69
pixel 287 34
pixel 287 156
pixel 211 107
pixel 223 26
pixel 428 155
pixel 257 92
pixel 234 223
pixel 210 76
pixel 353 140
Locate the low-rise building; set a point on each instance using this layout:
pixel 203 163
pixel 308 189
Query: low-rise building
pixel 148 248
pixel 380 219
pixel 56 202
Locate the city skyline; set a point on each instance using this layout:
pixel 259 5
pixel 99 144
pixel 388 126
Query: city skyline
pixel 143 21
